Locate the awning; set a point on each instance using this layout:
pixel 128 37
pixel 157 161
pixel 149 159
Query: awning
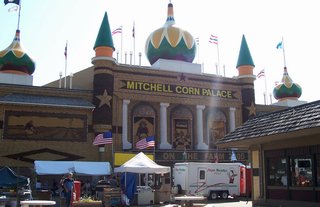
pixel 77 167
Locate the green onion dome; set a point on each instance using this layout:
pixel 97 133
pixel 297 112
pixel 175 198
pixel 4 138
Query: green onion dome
pixel 287 89
pixel 169 42
pixel 14 60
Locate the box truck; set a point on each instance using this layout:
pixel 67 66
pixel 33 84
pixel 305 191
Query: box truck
pixel 212 180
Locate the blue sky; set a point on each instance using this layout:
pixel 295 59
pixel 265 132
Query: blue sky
pixel 46 25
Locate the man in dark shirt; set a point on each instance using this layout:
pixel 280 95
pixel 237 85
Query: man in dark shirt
pixel 68 186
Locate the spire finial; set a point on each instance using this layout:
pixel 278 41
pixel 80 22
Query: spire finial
pixel 170 19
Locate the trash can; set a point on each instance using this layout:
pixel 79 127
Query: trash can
pixel 77 186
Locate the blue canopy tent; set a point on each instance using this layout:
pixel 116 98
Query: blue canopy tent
pixel 79 167
pixel 8 178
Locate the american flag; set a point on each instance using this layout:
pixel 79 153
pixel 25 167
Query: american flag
pixel 116 31
pixel 261 73
pixel 146 143
pixel 103 138
pixel 213 39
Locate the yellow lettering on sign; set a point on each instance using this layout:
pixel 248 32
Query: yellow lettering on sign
pixel 139 85
pixel 178 89
pixel 206 92
pixel 229 94
pixel 130 85
pixel 186 90
pixel 146 86
pixel 168 156
pixel 194 91
pixel 152 87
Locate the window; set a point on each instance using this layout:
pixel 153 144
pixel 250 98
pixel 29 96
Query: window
pixel 318 169
pixel 143 122
pixel 301 171
pixel 277 173
pixel 202 174
pixel 182 138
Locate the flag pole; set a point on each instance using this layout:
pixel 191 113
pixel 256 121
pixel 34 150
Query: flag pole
pixel 198 44
pixel 121 44
pixel 112 151
pixel 65 64
pixel 154 150
pixel 134 44
pixel 284 56
pixel 218 58
pixel 18 26
pixel 265 86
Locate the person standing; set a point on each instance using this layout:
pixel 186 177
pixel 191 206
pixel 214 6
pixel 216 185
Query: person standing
pixel 87 187
pixel 68 185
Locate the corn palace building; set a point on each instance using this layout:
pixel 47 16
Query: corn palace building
pixel 172 101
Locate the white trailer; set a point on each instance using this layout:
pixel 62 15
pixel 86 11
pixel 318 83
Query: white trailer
pixel 211 180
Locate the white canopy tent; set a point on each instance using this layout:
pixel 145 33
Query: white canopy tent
pixel 78 167
pixel 142 164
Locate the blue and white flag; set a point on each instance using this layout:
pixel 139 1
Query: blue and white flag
pixel 280 45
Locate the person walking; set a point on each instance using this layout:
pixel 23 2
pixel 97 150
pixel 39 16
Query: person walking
pixel 68 187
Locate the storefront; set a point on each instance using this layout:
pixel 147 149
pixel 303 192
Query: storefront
pixel 284 150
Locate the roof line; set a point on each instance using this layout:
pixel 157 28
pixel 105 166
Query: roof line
pixel 37 104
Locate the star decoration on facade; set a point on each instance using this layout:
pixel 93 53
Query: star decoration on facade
pixel 182 78
pixel 251 109
pixel 104 99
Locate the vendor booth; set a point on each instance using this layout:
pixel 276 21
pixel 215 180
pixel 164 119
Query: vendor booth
pixel 141 164
pixel 83 168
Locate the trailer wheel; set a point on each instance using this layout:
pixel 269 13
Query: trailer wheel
pixel 179 189
pixel 225 195
pixel 213 195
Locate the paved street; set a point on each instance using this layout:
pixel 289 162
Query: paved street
pixel 220 204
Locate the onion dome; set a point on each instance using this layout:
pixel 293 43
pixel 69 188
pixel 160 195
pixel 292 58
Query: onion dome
pixel 15 60
pixel 170 42
pixel 287 89
pixel 245 63
pixel 104 43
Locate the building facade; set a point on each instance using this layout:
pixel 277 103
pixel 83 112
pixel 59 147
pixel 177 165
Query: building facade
pixel 185 111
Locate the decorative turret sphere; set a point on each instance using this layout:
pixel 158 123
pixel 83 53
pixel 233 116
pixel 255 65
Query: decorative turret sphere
pixel 287 89
pixel 169 42
pixel 14 60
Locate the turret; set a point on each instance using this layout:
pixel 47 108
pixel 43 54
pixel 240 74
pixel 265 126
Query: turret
pixel 170 42
pixel 103 82
pixel 245 68
pixel 104 44
pixel 14 60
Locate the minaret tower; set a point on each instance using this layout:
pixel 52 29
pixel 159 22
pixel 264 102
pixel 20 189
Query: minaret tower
pixel 103 81
pixel 245 68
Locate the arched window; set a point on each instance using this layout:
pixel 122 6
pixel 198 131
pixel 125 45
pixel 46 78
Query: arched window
pixel 182 137
pixel 143 123
pixel 216 127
